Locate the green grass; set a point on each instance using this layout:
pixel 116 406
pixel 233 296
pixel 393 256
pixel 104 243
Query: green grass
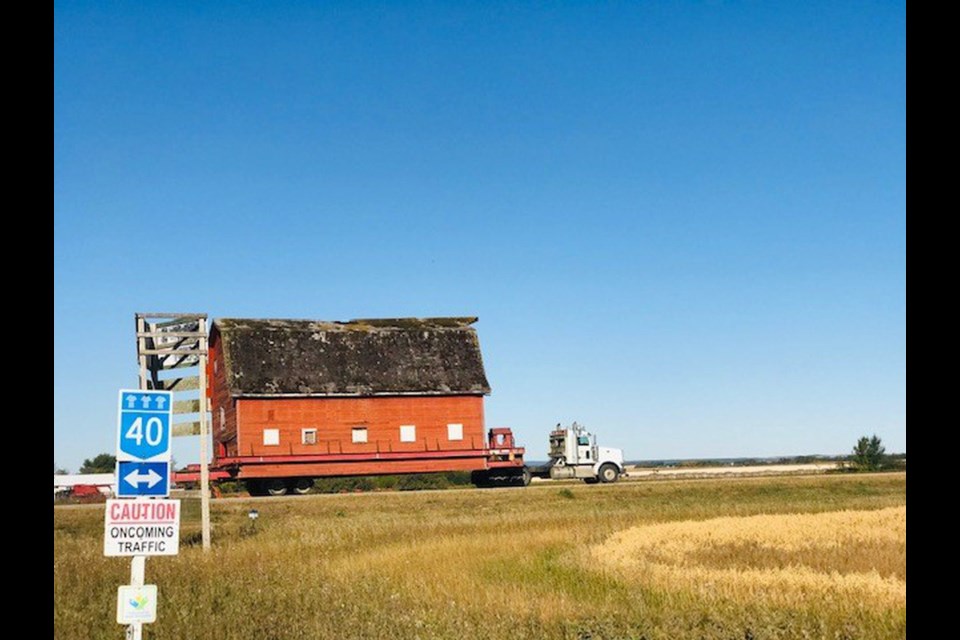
pixel 497 563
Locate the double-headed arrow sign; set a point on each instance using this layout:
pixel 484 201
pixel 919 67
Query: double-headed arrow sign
pixel 135 478
pixel 143 479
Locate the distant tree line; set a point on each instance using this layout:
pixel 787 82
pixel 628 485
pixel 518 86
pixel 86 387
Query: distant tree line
pixel 102 463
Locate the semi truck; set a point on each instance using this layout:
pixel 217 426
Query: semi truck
pixel 574 453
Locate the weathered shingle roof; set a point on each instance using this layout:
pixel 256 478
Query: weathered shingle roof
pixel 433 356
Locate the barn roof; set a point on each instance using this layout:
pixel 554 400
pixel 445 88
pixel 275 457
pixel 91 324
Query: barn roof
pixel 423 356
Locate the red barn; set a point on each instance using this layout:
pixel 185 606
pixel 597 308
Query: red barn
pixel 292 400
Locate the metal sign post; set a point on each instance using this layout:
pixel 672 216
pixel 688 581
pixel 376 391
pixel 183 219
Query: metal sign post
pixel 138 570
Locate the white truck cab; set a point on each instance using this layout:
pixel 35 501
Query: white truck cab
pixel 574 454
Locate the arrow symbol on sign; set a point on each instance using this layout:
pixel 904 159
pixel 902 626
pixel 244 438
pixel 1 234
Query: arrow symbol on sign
pixel 131 401
pixel 135 478
pixel 145 400
pixel 161 401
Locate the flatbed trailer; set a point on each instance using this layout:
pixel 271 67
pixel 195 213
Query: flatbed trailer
pixel 500 463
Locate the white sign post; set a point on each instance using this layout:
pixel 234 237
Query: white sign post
pixel 142 526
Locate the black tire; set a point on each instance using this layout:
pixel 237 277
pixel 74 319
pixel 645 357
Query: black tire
pixel 608 473
pixel 480 479
pixel 301 486
pixel 276 487
pixel 525 477
pixel 591 480
pixel 255 488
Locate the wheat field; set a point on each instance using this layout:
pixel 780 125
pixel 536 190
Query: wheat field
pixel 785 560
pixel 799 557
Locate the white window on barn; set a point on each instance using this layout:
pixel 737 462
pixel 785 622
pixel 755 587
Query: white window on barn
pixel 223 420
pixel 308 436
pixel 454 431
pixel 359 434
pixel 271 437
pixel 408 433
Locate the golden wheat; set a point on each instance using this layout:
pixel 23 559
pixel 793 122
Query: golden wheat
pixel 785 559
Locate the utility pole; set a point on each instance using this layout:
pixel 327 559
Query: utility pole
pixel 170 342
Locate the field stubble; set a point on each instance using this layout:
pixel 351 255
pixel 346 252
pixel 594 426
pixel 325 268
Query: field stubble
pixel 693 559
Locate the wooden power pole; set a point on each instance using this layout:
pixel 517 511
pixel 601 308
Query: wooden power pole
pixel 169 347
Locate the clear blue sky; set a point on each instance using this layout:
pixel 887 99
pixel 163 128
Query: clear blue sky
pixel 681 224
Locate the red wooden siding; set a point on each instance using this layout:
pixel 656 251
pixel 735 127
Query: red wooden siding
pixel 335 418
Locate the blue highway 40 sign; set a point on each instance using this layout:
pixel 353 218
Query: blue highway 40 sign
pixel 145 418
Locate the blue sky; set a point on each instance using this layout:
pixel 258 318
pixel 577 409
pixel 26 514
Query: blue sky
pixel 681 224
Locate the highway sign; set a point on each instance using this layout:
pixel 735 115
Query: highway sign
pixel 143 479
pixel 141 528
pixel 136 603
pixel 144 420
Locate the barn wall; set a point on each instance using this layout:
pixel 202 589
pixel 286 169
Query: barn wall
pixel 335 418
pixel 223 423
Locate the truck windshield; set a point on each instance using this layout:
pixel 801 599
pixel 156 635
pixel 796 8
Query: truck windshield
pixel 583 440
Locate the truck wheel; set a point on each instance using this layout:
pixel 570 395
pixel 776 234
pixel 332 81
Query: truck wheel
pixel 276 487
pixel 608 472
pixel 525 477
pixel 591 480
pixel 255 488
pixel 302 486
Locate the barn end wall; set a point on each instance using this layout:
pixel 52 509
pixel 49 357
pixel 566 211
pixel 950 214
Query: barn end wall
pixel 223 414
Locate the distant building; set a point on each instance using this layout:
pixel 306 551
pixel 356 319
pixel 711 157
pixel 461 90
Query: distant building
pixel 106 483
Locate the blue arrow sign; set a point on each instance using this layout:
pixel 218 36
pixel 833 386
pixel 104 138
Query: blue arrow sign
pixel 145 418
pixel 143 479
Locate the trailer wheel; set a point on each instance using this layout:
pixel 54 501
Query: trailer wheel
pixel 255 488
pixel 480 479
pixel 302 486
pixel 608 472
pixel 276 487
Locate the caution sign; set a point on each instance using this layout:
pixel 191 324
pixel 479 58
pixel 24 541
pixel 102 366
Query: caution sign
pixel 141 528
